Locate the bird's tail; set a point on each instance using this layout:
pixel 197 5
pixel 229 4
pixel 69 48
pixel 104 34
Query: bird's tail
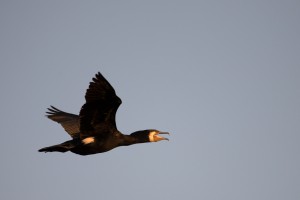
pixel 63 147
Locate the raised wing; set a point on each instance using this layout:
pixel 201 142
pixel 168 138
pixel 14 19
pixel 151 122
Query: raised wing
pixel 69 122
pixel 97 115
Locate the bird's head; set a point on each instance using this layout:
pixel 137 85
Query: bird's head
pixel 150 135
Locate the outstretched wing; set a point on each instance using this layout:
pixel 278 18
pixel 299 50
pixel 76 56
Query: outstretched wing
pixel 97 115
pixel 69 122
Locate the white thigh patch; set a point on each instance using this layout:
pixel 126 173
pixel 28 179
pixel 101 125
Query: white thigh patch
pixel 88 140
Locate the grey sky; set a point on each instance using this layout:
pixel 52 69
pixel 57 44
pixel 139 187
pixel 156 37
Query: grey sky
pixel 222 76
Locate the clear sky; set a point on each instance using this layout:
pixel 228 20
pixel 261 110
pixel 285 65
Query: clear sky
pixel 222 76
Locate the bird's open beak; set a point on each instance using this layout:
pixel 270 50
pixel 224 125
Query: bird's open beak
pixel 157 136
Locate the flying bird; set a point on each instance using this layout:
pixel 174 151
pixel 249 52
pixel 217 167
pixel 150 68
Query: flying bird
pixel 94 130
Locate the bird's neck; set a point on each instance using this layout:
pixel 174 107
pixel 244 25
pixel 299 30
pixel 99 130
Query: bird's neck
pixel 129 140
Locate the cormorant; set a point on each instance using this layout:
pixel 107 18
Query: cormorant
pixel 94 130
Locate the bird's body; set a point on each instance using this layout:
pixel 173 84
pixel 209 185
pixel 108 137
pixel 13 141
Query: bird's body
pixel 94 130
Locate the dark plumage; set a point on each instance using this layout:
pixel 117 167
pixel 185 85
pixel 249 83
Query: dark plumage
pixel 95 130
